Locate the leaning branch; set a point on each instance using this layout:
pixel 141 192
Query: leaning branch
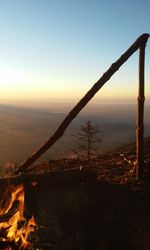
pixel 82 103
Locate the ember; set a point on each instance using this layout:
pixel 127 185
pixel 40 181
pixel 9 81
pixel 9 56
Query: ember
pixel 14 227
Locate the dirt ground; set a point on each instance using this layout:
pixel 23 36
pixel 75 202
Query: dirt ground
pixel 102 216
pixel 76 212
pixel 97 216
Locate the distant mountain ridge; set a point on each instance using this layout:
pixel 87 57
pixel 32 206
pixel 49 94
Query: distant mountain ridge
pixel 23 130
pixel 131 147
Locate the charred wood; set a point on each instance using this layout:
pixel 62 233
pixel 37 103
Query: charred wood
pixel 12 211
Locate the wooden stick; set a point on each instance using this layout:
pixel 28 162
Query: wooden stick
pixel 82 103
pixel 140 117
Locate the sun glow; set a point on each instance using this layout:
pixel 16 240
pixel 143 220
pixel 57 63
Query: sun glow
pixel 8 76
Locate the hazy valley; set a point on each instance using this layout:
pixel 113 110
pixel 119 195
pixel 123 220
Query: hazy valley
pixel 23 130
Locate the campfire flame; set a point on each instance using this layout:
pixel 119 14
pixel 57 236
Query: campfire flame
pixel 16 228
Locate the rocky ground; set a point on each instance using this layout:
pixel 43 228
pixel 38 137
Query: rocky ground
pixel 95 205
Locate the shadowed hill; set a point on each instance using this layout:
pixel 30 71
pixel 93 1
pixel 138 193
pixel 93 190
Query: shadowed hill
pixel 130 147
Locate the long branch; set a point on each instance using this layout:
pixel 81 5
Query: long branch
pixel 82 103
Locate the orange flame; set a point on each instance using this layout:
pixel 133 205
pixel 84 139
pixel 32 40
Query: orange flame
pixel 16 233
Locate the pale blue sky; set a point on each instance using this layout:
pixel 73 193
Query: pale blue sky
pixel 58 49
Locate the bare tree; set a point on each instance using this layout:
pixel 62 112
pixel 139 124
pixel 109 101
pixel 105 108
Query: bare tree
pixel 88 138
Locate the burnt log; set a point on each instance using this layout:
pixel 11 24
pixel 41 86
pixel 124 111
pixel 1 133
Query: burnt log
pixel 6 217
pixel 11 212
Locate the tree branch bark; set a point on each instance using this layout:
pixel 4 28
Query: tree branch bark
pixel 140 117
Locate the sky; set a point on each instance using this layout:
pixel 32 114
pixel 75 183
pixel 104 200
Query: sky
pixel 57 49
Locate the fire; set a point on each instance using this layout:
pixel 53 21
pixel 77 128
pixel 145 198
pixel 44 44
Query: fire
pixel 16 228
